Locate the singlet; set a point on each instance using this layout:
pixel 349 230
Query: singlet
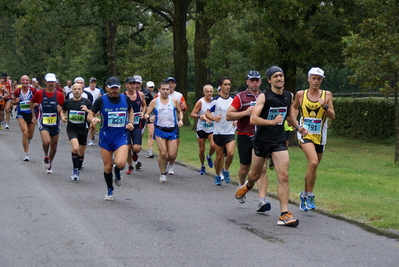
pixel 49 114
pixel 203 125
pixel 275 104
pixel 242 101
pixel 314 119
pixel 165 114
pixel 220 105
pixel 136 106
pixel 114 117
pixel 24 103
pixel 77 118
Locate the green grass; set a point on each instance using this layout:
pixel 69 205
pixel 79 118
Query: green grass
pixel 357 180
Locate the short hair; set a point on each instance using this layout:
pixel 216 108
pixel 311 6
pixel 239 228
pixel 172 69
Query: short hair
pixel 77 85
pixel 221 80
pixel 163 83
pixel 205 86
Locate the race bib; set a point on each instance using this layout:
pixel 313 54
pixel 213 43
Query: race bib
pixel 50 119
pixel 313 125
pixel 117 119
pixel 206 125
pixel 24 105
pixel 136 118
pixel 76 116
pixel 275 111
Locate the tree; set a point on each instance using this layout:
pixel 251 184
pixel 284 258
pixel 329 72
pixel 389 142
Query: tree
pixel 373 53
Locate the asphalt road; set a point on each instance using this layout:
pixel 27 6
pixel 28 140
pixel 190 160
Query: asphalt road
pixel 50 220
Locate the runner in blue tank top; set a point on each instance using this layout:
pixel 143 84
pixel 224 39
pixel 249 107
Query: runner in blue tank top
pixel 116 118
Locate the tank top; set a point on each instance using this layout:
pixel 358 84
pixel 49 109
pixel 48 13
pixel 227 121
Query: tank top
pixel 49 113
pixel 24 103
pixel 114 117
pixel 314 119
pixel 136 106
pixel 203 125
pixel 165 114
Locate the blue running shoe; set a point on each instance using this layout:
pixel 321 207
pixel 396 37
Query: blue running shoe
pixel 202 170
pixel 218 180
pixel 226 176
pixel 110 194
pixel 310 203
pixel 263 206
pixel 303 205
pixel 210 162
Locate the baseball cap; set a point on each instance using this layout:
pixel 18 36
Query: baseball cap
pixel 150 84
pixel 78 79
pixel 92 79
pixel 138 79
pixel 4 75
pixel 130 80
pixel 170 79
pixel 34 79
pixel 253 74
pixel 316 71
pixel 50 77
pixel 113 82
pixel 272 70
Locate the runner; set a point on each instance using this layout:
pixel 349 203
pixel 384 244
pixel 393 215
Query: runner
pixel 150 126
pixel 22 97
pixel 116 116
pixel 137 100
pixel 3 95
pixel 272 107
pixel 223 131
pixel 50 102
pixel 8 106
pixel 168 117
pixel 204 127
pixel 77 128
pixel 96 93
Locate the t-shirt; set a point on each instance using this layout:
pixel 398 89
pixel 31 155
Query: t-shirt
pixel 220 105
pixel 76 117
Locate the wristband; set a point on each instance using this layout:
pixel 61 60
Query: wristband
pixel 296 127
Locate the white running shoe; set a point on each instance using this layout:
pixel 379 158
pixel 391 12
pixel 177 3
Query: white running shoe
pixel 162 178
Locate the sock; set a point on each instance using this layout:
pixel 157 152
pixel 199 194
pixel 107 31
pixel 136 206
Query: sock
pixel 310 194
pixel 108 180
pixel 262 199
pixel 75 160
pixel 117 169
pixel 135 157
pixel 285 212
pixel 304 194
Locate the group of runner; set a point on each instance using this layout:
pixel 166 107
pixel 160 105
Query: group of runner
pixel 258 117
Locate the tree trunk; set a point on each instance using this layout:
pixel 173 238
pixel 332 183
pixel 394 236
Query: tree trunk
pixel 289 69
pixel 111 28
pixel 396 120
pixel 180 47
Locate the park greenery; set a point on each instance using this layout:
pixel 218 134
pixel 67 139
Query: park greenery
pixel 197 41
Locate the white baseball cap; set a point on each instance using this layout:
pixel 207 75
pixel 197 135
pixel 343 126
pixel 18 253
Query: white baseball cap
pixel 316 71
pixel 150 84
pixel 50 77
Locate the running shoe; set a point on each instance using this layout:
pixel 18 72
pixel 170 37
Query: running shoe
pixel 210 161
pixel 243 199
pixel 303 205
pixel 218 180
pixel 242 190
pixel 138 165
pixel 221 177
pixel 271 164
pixel 110 195
pixel 49 170
pixel 263 206
pixel 26 157
pixel 310 204
pixel 7 127
pixel 149 153
pixel 226 176
pixel 117 176
pixel 90 143
pixel 129 170
pixel 162 178
pixel 75 175
pixel 202 170
pixel 287 220
pixel 46 162
pixel 171 171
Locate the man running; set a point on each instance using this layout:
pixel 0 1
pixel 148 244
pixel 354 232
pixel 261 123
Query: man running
pixel 316 107
pixel 204 127
pixel 96 93
pixel 22 97
pixel 241 109
pixel 116 117
pixel 77 109
pixel 50 104
pixel 137 100
pixel 166 125
pixel 272 107
pixel 223 131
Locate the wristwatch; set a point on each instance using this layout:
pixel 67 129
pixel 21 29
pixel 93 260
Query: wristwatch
pixel 325 107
